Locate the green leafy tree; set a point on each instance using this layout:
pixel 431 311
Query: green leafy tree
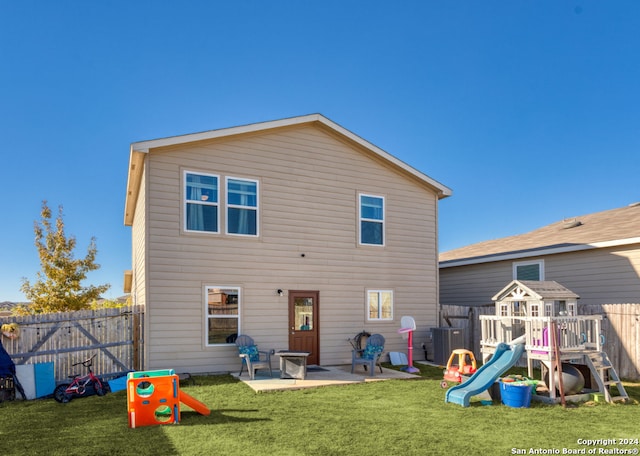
pixel 58 287
pixel 111 304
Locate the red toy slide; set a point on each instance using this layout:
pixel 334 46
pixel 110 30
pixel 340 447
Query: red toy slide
pixel 194 403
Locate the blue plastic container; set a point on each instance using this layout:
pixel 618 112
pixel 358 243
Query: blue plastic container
pixel 516 395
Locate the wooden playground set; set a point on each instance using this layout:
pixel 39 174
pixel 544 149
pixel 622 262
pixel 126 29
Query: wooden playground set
pixel 566 346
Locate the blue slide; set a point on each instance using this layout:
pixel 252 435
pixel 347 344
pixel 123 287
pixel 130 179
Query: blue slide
pixel 505 357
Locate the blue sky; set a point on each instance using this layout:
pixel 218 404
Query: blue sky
pixel 529 110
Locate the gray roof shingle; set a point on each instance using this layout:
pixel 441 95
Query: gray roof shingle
pixel 611 225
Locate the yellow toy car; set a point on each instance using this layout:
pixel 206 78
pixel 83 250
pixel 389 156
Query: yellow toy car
pixel 466 366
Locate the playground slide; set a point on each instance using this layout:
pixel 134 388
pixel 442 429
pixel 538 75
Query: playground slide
pixel 194 403
pixel 505 357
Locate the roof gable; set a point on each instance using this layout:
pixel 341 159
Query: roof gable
pixel 546 290
pixel 139 149
pixel 601 229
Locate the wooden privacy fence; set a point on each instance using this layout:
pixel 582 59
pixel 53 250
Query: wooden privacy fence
pixel 113 335
pixel 620 328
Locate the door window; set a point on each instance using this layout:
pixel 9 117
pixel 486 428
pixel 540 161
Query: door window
pixel 303 312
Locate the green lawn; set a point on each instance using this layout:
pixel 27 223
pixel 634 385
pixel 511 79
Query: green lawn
pixel 394 417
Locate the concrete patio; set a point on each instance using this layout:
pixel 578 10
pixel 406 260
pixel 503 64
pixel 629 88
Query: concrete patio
pixel 318 376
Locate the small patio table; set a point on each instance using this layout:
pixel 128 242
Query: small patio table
pixel 293 364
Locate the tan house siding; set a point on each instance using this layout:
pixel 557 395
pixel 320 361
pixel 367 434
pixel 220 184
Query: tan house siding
pixel 473 285
pixel 602 276
pixel 309 183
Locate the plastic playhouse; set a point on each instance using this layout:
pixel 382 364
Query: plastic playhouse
pixel 154 397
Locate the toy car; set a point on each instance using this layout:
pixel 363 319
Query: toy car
pixel 466 366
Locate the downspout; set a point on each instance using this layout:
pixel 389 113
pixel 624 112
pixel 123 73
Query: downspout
pixel 437 259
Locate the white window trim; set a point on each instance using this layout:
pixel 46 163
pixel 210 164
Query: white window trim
pixel 205 299
pixel 503 309
pixel 368 291
pixel 362 219
pixel 185 201
pixel 534 308
pixel 228 206
pixel 540 264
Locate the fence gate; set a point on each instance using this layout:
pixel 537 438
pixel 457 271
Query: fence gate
pixel 113 335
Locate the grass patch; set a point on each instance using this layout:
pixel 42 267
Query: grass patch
pixel 406 417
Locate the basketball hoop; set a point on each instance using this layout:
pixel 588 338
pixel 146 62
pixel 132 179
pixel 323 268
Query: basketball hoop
pixel 407 327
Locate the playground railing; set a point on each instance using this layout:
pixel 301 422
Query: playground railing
pixel 574 333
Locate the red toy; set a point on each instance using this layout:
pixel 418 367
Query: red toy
pixel 466 366
pixel 81 386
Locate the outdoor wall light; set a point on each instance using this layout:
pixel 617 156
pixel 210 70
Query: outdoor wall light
pixel 280 292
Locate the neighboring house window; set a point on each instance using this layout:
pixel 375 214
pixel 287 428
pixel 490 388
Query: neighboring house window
pixel 242 206
pixel 222 308
pixel 528 270
pixel 371 219
pixel 379 305
pixel 201 202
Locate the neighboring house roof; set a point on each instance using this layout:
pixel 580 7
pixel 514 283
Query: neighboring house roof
pixel 139 149
pixel 602 229
pixel 541 290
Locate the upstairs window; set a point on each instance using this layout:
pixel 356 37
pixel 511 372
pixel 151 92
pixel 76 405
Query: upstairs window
pixel 201 202
pixel 528 270
pixel 371 219
pixel 242 206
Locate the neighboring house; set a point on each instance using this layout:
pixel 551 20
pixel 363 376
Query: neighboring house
pixel 296 232
pixel 596 255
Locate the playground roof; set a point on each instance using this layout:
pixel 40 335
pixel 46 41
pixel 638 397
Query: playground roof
pixel 545 290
